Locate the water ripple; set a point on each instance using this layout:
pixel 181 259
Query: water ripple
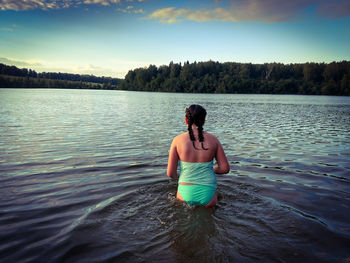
pixel 83 179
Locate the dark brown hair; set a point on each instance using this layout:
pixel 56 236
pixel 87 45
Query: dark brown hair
pixel 196 115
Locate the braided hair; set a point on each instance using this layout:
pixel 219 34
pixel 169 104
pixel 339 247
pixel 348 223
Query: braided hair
pixel 196 115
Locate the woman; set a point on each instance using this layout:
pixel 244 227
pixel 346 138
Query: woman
pixel 195 150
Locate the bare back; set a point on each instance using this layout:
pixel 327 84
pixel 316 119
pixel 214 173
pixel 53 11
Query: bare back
pixel 187 153
pixel 182 149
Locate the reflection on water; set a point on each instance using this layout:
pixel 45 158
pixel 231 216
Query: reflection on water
pixel 83 178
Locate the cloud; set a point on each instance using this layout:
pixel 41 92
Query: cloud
pixel 101 2
pixel 334 9
pixel 54 4
pixel 172 15
pixel 254 10
pixel 93 70
pixel 130 9
pixel 223 10
pixel 69 67
pixel 27 4
pixel 138 11
pixel 20 63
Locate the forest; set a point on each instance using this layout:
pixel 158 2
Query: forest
pixel 200 77
pixel 230 77
pixel 13 77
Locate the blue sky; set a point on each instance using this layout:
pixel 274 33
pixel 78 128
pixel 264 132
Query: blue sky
pixel 110 37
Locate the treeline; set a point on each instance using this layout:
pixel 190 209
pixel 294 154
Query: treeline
pixel 201 77
pixel 7 81
pixel 268 78
pixel 17 77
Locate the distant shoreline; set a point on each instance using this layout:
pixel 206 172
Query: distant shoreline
pixel 13 77
pixel 202 77
pixel 243 78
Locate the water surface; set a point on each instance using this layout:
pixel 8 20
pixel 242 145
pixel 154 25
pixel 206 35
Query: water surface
pixel 83 178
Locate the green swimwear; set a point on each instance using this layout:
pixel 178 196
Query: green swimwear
pixel 203 180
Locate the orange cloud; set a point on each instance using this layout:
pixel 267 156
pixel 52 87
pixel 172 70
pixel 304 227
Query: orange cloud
pixel 172 15
pixel 254 10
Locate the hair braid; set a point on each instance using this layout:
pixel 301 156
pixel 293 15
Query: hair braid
pixel 200 136
pixel 190 131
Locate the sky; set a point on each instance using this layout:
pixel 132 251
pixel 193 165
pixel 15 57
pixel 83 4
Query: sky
pixel 111 37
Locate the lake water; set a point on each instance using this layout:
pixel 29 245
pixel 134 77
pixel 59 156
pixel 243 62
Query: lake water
pixel 83 178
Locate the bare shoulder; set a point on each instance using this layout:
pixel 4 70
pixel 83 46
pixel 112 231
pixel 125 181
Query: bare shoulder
pixel 212 141
pixel 210 137
pixel 179 138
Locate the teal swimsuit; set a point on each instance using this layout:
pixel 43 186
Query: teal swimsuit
pixel 203 178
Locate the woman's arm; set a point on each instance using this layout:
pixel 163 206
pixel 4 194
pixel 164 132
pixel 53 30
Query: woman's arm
pixel 172 161
pixel 222 166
